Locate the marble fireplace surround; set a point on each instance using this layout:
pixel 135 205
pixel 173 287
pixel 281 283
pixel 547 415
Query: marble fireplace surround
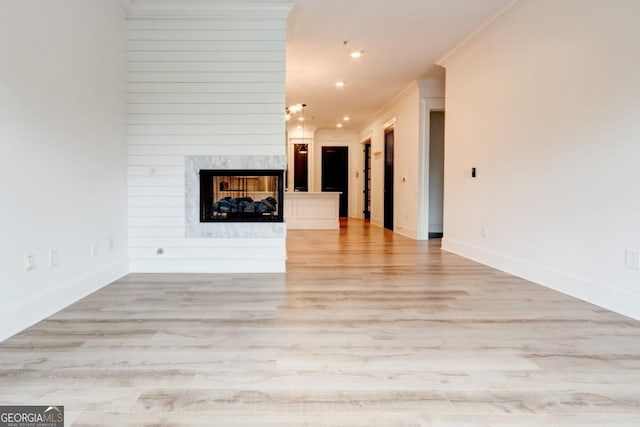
pixel 196 229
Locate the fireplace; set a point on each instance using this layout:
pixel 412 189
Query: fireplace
pixel 241 195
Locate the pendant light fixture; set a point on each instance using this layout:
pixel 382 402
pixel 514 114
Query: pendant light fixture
pixel 303 147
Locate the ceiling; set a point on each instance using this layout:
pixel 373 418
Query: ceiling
pixel 401 40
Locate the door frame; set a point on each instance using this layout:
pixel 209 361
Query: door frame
pixel 426 106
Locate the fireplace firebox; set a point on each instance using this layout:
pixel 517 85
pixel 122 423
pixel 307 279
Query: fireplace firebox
pixel 241 195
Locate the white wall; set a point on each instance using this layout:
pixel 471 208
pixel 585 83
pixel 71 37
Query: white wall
pixel 405 110
pixel 199 86
pixel 62 154
pixel 545 103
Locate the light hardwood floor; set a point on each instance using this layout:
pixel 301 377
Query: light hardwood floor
pixel 366 329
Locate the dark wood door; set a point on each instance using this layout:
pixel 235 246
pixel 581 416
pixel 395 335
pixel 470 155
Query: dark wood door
pixel 367 181
pixel 300 167
pixel 335 174
pixel 388 179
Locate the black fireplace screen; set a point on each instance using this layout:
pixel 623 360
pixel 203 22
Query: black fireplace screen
pixel 241 195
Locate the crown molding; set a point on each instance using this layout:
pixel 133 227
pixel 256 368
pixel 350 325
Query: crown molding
pixel 431 88
pixel 443 60
pixel 191 9
pixel 387 105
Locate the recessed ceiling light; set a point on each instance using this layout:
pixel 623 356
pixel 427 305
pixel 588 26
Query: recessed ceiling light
pixel 346 118
pixel 296 108
pixel 301 119
pixel 299 127
pixel 339 125
pixel 356 54
pixel 340 84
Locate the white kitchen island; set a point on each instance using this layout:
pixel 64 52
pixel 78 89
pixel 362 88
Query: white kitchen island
pixel 312 210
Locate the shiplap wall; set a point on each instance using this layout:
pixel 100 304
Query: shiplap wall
pixel 199 87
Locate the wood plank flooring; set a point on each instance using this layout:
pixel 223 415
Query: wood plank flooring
pixel 367 328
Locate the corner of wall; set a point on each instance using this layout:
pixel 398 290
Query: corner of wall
pixel 34 308
pixel 582 288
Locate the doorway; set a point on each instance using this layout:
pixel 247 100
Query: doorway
pixel 300 167
pixel 367 180
pixel 388 179
pixel 436 173
pixel 335 174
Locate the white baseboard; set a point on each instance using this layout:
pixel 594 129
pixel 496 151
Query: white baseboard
pixel 411 233
pixel 276 265
pixel 377 221
pixel 622 302
pixel 37 307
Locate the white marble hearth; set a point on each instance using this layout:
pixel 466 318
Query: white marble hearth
pixel 196 229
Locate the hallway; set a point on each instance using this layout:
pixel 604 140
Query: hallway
pixel 367 328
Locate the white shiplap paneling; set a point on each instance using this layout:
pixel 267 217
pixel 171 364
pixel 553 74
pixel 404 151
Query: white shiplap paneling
pixel 238 26
pixel 203 35
pixel 182 76
pixel 201 66
pixel 198 87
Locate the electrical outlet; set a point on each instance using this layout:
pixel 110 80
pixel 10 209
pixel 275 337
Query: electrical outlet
pixel 112 243
pixel 29 262
pixel 93 250
pixel 484 231
pixel 53 258
pixel 632 259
